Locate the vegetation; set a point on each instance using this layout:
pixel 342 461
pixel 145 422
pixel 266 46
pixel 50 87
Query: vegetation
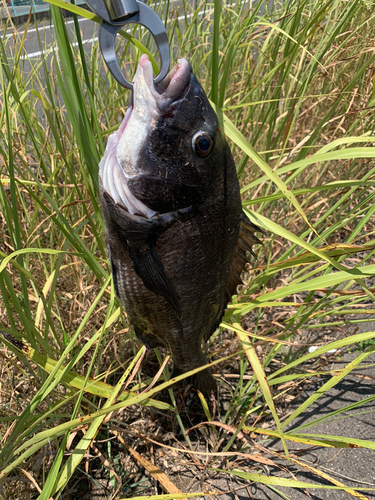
pixel 293 85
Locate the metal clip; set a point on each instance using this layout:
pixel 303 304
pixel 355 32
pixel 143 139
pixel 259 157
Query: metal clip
pixel 118 13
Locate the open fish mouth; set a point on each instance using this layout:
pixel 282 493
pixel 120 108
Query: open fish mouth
pixel 150 103
pixel 161 99
pixel 167 95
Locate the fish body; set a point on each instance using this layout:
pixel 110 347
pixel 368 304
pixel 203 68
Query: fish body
pixel 173 216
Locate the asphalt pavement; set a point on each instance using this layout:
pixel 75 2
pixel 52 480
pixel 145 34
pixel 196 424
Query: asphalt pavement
pixel 354 467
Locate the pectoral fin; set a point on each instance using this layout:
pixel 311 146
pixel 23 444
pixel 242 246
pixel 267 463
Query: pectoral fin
pixel 139 236
pixel 148 266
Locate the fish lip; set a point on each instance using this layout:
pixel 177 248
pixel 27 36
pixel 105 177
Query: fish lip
pixel 165 96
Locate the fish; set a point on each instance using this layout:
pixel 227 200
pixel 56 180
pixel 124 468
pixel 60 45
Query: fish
pixel 177 236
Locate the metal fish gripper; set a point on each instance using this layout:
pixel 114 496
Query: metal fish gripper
pixel 116 14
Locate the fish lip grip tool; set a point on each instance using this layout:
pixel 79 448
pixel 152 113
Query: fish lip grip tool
pixel 116 14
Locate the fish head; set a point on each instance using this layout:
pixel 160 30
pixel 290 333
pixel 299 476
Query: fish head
pixel 168 147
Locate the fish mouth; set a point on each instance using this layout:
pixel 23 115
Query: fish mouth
pixel 165 96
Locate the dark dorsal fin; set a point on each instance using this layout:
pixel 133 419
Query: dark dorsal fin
pixel 246 240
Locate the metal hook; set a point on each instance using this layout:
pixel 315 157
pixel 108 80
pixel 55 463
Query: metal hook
pixel 118 13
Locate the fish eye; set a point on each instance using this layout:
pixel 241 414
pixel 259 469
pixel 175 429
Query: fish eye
pixel 202 144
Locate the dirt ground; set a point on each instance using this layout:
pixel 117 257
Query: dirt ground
pixel 352 466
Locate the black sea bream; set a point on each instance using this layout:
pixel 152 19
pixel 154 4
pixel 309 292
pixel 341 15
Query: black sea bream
pixel 176 233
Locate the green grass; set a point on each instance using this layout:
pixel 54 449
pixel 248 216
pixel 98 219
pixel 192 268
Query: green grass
pixel 293 86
